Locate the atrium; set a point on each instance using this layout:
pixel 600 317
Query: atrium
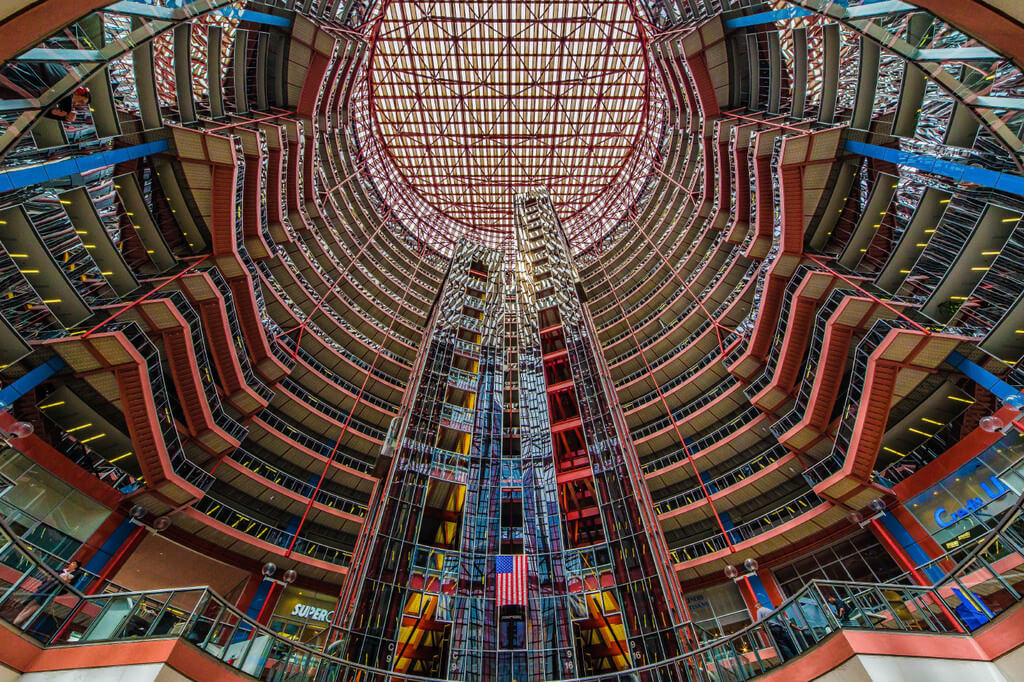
pixel 593 341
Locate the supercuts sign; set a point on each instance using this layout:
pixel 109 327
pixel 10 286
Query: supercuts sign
pixel 993 489
pixel 312 613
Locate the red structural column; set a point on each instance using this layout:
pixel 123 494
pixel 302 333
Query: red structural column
pixel 95 541
pixel 969 447
pixel 43 454
pixel 897 552
pixel 905 562
pixel 749 598
pixel 252 585
pixel 771 586
pixel 921 536
pixel 270 603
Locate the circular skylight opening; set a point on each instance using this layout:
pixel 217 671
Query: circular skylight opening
pixel 470 103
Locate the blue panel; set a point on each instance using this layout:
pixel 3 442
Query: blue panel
pixel 255 17
pixel 21 386
pixel 60 169
pixel 257 600
pixel 55 170
pixel 758 587
pixel 727 523
pixel 981 376
pixel 910 545
pixel 766 17
pixel 23 177
pixel 255 606
pixel 1007 182
pixel 110 547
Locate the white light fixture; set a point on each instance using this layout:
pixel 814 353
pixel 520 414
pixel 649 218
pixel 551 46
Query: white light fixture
pixel 876 505
pixel 733 573
pixel 17 430
pixel 991 424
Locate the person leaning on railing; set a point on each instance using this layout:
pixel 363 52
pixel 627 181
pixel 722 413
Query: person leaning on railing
pixel 780 633
pixel 66 577
pixel 65 108
pixel 28 79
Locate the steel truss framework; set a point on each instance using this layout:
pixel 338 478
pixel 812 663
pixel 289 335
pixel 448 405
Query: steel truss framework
pixel 467 103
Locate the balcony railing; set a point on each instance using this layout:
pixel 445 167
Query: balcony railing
pixel 208 622
pixel 663 459
pixel 730 478
pixel 682 412
pixel 277 475
pixel 762 523
pixel 180 463
pixel 245 523
pixel 313 443
pixel 337 414
pixel 815 346
pixel 237 338
pixel 691 370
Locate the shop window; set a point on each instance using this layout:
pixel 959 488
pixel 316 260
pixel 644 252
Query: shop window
pixel 968 502
pixel 718 611
pixel 45 510
pixel 860 559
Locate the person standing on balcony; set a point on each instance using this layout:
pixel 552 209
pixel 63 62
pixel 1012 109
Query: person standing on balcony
pixel 66 108
pixel 34 79
pixel 786 649
pixel 66 577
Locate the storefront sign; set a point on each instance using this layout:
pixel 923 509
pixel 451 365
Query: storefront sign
pixel 312 613
pixel 997 490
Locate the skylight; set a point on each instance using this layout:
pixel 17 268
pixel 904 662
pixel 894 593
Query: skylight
pixel 467 103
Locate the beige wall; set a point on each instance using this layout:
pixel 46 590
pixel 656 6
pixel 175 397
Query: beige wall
pixel 8 674
pixel 158 563
pixel 1012 664
pixel 867 668
pixel 151 672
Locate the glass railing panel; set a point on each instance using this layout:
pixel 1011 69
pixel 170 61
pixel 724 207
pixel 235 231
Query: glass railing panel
pixel 986 589
pixel 32 599
pixel 205 623
pixel 802 621
pixel 222 631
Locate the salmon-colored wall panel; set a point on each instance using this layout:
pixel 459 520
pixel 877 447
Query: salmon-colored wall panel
pixel 159 563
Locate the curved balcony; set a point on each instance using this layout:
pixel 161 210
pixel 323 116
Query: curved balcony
pixel 763 528
pixel 270 538
pixel 662 463
pixel 670 503
pixel 311 443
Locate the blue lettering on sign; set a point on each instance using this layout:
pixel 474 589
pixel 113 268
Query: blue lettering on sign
pixel 972 505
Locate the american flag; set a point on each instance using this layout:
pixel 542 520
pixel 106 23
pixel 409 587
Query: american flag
pixel 511 573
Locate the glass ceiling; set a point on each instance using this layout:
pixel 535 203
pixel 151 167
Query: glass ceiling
pixel 465 104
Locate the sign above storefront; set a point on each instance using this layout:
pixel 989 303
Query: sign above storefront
pixel 994 492
pixel 310 612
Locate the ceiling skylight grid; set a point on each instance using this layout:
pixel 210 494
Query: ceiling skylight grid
pixel 469 103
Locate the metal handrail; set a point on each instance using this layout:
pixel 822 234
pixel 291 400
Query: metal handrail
pixel 787 616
